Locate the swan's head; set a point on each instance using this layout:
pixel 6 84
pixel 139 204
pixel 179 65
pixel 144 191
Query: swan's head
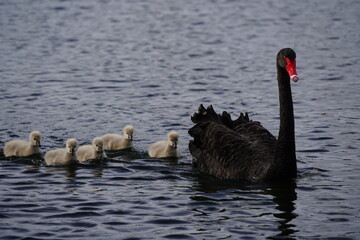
pixel 173 138
pixel 128 132
pixel 286 59
pixel 35 138
pixel 98 144
pixel 71 146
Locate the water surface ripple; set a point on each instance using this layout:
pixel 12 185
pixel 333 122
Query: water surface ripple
pixel 84 68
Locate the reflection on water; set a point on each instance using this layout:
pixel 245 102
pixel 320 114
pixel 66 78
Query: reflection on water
pixel 285 197
pixel 281 196
pixel 85 68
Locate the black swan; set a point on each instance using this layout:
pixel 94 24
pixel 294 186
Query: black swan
pixel 243 149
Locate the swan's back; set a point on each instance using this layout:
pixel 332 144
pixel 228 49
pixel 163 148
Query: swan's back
pixel 158 149
pixel 56 156
pixel 85 153
pixel 16 148
pixel 111 141
pixel 22 148
pixel 114 141
pixel 240 149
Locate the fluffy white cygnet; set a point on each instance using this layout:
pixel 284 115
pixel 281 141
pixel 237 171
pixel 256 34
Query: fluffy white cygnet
pixel 22 148
pixel 118 142
pixel 62 155
pixel 163 149
pixel 93 151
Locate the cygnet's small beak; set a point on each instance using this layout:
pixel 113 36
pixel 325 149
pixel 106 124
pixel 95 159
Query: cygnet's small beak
pixel 130 137
pixel 72 151
pixel 174 145
pixel 100 150
pixel 38 143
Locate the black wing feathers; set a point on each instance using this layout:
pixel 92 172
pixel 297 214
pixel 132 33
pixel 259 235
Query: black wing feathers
pixel 229 149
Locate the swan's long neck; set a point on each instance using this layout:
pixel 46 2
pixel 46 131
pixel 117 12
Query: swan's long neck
pixel 286 138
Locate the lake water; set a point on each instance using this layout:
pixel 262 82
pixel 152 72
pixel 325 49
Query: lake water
pixel 85 68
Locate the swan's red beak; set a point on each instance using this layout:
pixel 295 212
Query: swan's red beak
pixel 291 69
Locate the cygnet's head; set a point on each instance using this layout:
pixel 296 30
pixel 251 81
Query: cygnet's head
pixel 71 146
pixel 173 139
pixel 98 144
pixel 128 132
pixel 35 138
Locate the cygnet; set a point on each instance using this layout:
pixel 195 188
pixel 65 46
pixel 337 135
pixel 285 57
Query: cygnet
pixel 118 142
pixel 22 148
pixel 164 149
pixel 62 155
pixel 93 151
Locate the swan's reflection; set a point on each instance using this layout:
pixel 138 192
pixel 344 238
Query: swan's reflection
pixel 255 201
pixel 98 172
pixel 284 196
pixel 70 170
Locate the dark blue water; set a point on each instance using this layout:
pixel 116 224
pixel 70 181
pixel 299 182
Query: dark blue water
pixel 85 68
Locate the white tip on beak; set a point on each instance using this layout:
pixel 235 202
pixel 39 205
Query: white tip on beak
pixel 294 78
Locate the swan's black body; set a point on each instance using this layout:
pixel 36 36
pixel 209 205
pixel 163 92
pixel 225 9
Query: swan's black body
pixel 244 149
